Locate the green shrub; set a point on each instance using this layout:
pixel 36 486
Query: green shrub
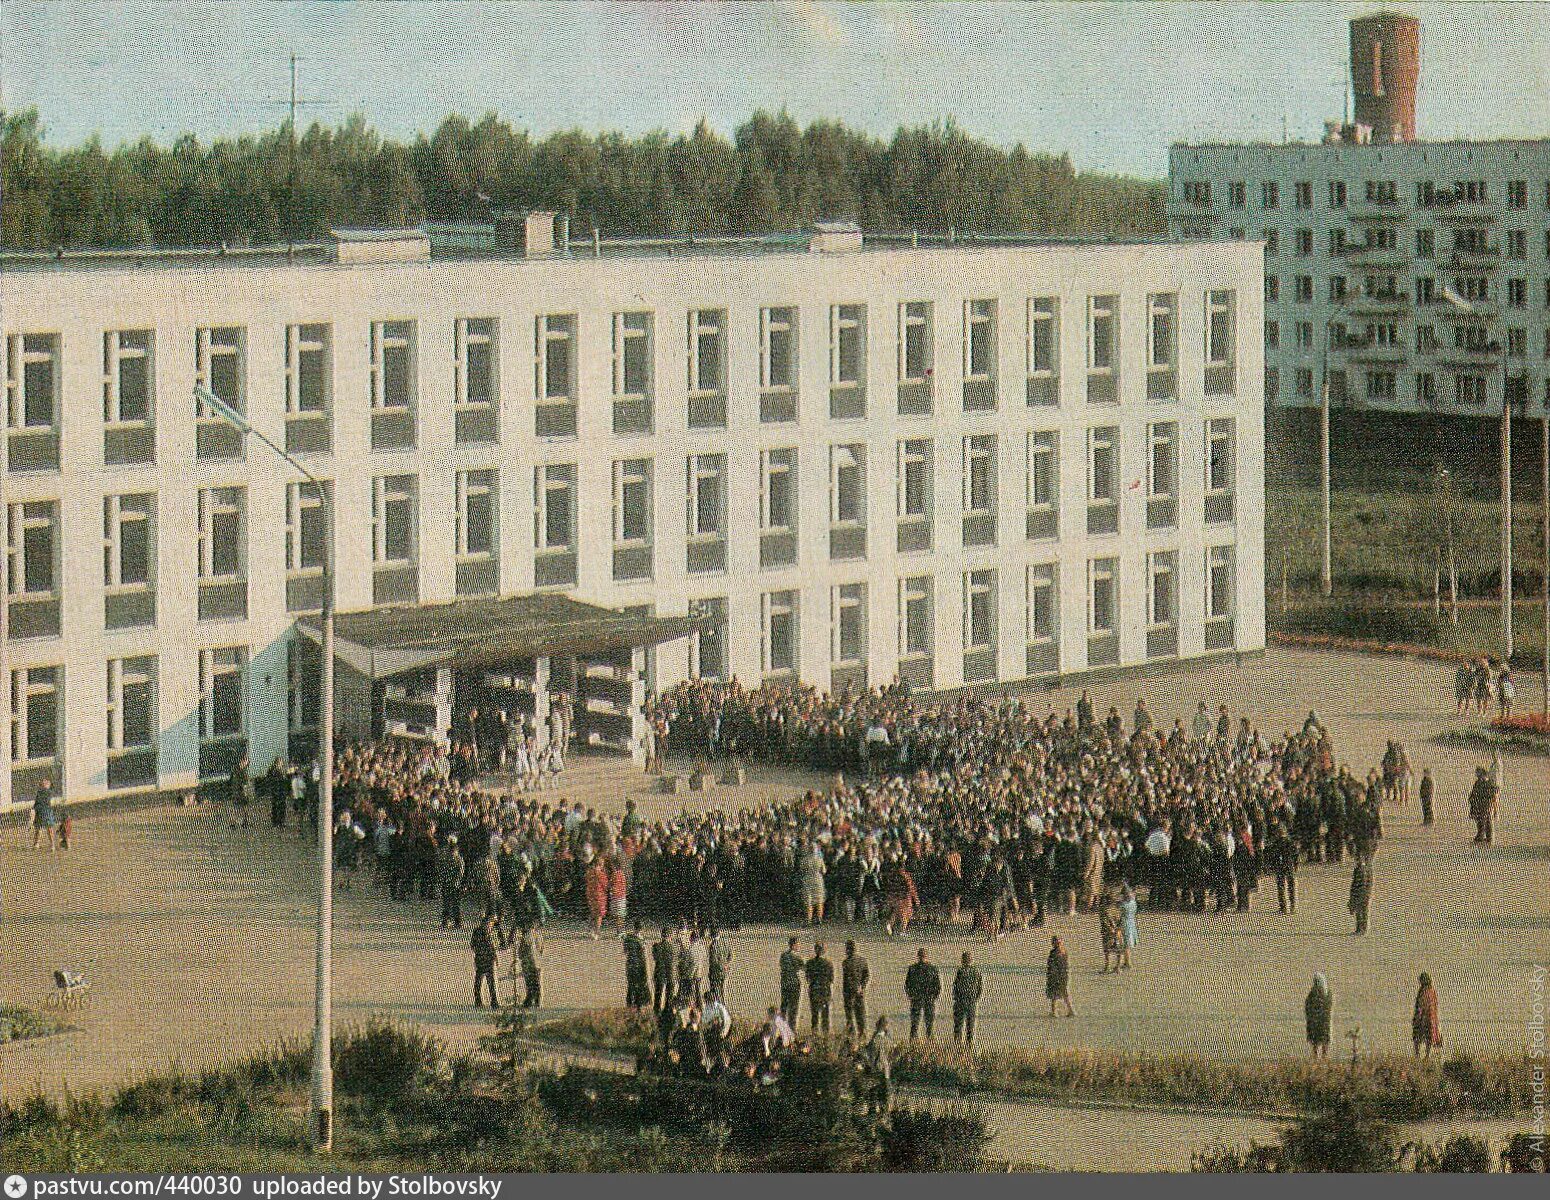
pixel 1368 622
pixel 916 1139
pixel 1463 1154
pixel 1344 1138
pixel 385 1062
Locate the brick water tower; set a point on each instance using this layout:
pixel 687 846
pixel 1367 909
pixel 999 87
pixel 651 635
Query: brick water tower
pixel 1385 67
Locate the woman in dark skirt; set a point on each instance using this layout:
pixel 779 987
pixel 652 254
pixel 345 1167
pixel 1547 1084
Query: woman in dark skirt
pixel 1318 1011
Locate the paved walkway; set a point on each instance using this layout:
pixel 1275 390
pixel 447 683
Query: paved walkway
pixel 199 937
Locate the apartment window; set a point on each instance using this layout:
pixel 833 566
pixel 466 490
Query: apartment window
pixel 632 372
pixel 476 381
pixel 477 496
pixel 219 365
pixel 1236 194
pixel 1102 335
pixel 1304 242
pixel 1337 289
pixel 915 358
pixel 707 368
pixel 308 388
pixel 1426 388
pixel 914 504
pixel 1162 594
pixel 632 519
pixel 777 348
pixel 1103 479
pixel 1272 290
pixel 847 361
pixel 554 523
pixel 847 501
pixel 1517 293
pixel 1380 386
pixel 1220 583
pixel 1197 191
pixel 777 507
pixel 32 569
pixel 128 396
pixel 1043 351
pixel 394 536
pixel 1161 346
pixel 1304 381
pixel 915 341
pixel 1043 609
pixel 37 717
pixel 221 674
pixel 1517 243
pixel 1272 335
pixel 1102 597
pixel 1382 191
pixel 708 644
pixel 306 547
pixel 222 553
pixel 1220 468
pixel 1469 389
pixel 1305 289
pixel 32 401
pixel 706 518
pixel 1270 194
pixel 1271 238
pixel 392 384
pixel 847 624
pixel 979 355
pixel 129 560
pixel 1425 243
pixel 778 640
pixel 979 625
pixel 1517 343
pixel 131 721
pixel 1517 194
pixel 1043 484
pixel 1162 475
pixel 1336 193
pixel 554 382
pixel 916 622
pixel 1303 194
pixel 979 490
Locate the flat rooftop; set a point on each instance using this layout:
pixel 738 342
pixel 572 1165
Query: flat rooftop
pixel 474 241
pixel 1418 144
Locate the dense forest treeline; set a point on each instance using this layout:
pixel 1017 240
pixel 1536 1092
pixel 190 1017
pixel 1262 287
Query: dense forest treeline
pixel 773 175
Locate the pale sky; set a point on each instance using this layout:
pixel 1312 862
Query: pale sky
pixel 1113 84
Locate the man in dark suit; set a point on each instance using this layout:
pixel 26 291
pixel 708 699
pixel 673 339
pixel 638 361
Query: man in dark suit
pixel 922 984
pixel 792 968
pixel 820 987
pixel 968 987
pixel 664 957
pixel 637 989
pixel 854 976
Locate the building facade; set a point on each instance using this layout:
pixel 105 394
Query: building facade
pixel 852 459
pixel 1369 250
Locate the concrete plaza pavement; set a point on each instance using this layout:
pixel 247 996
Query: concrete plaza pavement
pixel 198 937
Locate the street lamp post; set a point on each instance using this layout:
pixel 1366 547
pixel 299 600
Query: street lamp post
pixel 1326 576
pixel 1506 502
pixel 323 1017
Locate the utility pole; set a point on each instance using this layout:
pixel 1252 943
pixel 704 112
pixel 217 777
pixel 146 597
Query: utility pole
pixel 1544 550
pixel 293 104
pixel 1506 502
pixel 1326 575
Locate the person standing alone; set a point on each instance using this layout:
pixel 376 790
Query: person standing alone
pixel 1057 977
pixel 922 986
pixel 1425 1024
pixel 483 946
pixel 968 987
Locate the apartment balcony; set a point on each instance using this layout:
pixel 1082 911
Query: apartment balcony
pixel 1461 212
pixel 1377 302
pixel 1470 357
pixel 1361 255
pixel 1370 212
pixel 1477 310
pixel 1481 258
pixel 1370 350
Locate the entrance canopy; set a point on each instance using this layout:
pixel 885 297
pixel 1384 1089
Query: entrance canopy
pixel 485 632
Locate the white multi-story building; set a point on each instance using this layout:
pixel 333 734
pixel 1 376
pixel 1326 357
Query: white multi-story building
pixel 1413 275
pixel 849 459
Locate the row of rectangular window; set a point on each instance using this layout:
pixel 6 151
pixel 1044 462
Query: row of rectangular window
pixel 1384 288
pixel 1383 193
pixel 33 543
pixel 1469 244
pixel 37 693
pixel 129 403
pixel 1470 388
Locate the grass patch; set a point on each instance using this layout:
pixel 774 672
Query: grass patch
pixel 19 1024
pixel 1394 1087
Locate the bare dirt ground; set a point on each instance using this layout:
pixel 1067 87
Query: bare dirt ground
pixel 198 937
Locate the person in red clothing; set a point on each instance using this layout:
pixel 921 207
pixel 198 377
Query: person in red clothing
pixel 618 892
pixel 1425 1025
pixel 597 894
